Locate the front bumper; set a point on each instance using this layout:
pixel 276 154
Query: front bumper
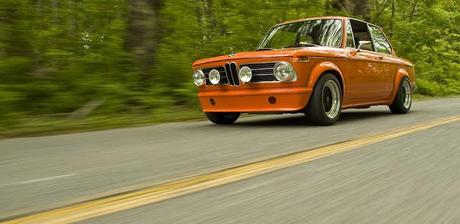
pixel 290 99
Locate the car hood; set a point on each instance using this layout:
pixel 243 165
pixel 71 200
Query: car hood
pixel 289 52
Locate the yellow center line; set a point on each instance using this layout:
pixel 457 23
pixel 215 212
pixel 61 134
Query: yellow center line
pixel 154 194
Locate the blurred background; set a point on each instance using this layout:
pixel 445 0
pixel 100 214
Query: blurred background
pixel 91 64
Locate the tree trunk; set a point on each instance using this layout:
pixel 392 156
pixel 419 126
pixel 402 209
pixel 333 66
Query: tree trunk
pixel 413 11
pixel 207 18
pixel 55 8
pixel 72 22
pixel 392 22
pixel 356 8
pixel 144 32
pixel 16 38
pixel 380 9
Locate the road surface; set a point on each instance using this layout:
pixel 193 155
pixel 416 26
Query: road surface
pixel 414 178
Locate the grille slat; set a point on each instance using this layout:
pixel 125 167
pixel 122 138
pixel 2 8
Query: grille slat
pixel 262 79
pixel 229 75
pixel 231 71
pixel 262 72
pixel 261 65
pixel 261 69
pixel 268 74
pixel 234 74
pixel 265 71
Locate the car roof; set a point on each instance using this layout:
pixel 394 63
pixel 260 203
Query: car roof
pixel 325 17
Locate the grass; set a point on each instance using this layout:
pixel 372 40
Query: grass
pixel 418 97
pixel 48 125
pixel 53 125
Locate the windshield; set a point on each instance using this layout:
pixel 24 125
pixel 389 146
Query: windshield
pixel 309 33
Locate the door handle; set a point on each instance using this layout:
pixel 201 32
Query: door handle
pixel 379 57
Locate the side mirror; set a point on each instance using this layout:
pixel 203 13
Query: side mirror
pixel 362 44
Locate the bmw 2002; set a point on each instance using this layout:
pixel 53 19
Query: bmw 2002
pixel 316 66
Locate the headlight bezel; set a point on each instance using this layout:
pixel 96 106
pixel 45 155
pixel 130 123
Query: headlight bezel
pixel 248 70
pixel 199 78
pixel 289 76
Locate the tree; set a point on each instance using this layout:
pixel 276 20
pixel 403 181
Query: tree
pixel 144 33
pixel 135 56
pixel 358 8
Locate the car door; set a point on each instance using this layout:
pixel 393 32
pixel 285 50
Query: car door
pixel 366 70
pixel 384 50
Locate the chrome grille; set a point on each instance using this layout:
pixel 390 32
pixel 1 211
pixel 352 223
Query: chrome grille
pixel 223 75
pixel 262 72
pixel 232 73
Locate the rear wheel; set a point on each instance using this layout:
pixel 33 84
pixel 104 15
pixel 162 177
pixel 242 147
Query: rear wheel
pixel 326 101
pixel 223 118
pixel 403 100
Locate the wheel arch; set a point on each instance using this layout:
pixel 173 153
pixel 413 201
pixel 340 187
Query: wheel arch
pixel 325 68
pixel 400 75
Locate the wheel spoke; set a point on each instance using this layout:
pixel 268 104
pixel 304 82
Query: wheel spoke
pixel 407 95
pixel 331 99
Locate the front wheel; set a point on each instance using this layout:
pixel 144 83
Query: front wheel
pixel 223 118
pixel 403 100
pixel 326 101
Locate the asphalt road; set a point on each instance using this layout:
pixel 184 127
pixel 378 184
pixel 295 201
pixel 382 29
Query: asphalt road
pixel 411 179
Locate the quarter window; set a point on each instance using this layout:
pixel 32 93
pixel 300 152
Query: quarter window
pixel 350 38
pixel 381 43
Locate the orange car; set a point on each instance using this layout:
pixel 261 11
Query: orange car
pixel 317 66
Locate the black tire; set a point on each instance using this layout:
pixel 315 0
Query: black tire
pixel 223 118
pixel 403 100
pixel 325 102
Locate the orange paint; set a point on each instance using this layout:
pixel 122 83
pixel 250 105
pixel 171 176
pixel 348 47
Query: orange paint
pixel 368 78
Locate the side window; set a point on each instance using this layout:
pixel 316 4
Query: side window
pixel 350 37
pixel 361 33
pixel 381 43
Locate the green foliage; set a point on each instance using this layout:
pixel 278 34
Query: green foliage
pixel 136 56
pixel 432 42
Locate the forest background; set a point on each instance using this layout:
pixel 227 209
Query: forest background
pixel 91 64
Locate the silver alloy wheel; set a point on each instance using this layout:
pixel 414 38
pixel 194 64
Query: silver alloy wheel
pixel 331 99
pixel 407 95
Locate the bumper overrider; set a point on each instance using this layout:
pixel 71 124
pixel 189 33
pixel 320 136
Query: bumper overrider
pixel 252 88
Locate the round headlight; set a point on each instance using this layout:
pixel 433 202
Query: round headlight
pixel 199 78
pixel 245 74
pixel 284 72
pixel 214 77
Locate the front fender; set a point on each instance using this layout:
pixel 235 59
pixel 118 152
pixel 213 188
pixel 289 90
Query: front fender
pixel 322 68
